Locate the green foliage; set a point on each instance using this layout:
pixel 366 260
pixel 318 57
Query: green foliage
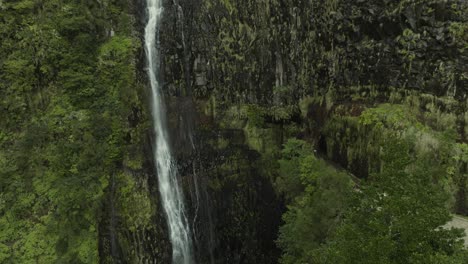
pixel 316 211
pixel 135 207
pixel 289 181
pixel 393 116
pixel 359 139
pixel 256 116
pixel 396 217
pixel 67 88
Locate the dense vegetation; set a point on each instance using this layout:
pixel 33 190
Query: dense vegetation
pixel 344 76
pixel 349 118
pixel 394 219
pixel 67 90
pixel 395 216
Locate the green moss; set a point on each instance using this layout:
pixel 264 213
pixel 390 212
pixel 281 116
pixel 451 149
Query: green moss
pixel 134 204
pixel 263 140
pixel 235 117
pixel 134 162
pixel 305 103
pixel 466 124
pixel 361 138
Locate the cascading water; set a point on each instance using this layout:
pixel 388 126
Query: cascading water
pixel 171 194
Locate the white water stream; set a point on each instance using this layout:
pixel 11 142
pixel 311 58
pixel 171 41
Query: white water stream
pixel 171 194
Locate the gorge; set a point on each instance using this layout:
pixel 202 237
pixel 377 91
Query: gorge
pixel 233 131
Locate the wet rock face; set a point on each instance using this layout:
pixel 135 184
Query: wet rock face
pixel 276 56
pixel 233 209
pixel 245 210
pixel 133 227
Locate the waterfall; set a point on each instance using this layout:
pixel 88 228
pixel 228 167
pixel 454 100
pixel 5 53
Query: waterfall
pixel 171 194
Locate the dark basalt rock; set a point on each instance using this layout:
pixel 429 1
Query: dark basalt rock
pixel 273 55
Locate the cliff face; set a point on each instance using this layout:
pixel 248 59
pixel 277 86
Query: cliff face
pixel 240 78
pixel 341 75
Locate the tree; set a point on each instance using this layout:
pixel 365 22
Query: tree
pixel 397 217
pixel 289 182
pixel 315 211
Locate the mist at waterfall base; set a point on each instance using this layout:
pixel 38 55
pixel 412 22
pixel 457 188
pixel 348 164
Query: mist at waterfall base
pixel 171 193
